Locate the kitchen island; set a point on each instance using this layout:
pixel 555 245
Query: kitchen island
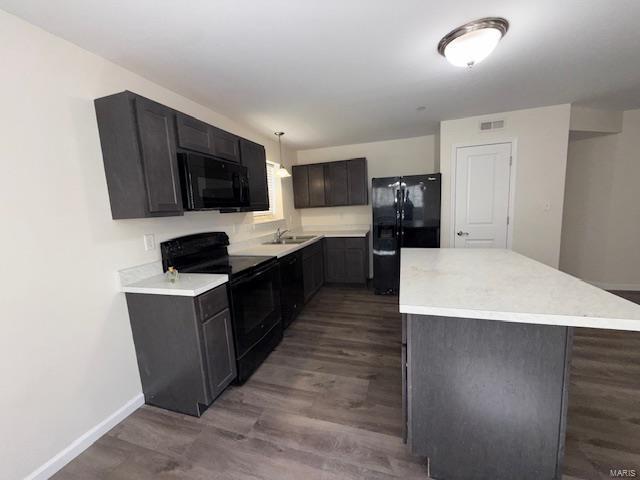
pixel 488 337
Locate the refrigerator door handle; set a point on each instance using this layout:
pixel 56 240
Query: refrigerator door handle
pixel 400 213
pixel 405 197
pixel 398 201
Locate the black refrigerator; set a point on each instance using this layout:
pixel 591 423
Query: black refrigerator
pixel 406 214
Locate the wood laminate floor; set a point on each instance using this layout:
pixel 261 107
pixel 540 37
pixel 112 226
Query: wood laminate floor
pixel 603 422
pixel 327 405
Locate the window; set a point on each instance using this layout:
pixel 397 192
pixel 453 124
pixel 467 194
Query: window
pixel 272 176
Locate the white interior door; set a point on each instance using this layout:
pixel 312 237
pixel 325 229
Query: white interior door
pixel 482 185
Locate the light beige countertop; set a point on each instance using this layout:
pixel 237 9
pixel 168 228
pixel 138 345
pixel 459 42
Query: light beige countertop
pixel 187 284
pixel 497 284
pixel 331 233
pixel 148 278
pixel 276 250
pixel 282 250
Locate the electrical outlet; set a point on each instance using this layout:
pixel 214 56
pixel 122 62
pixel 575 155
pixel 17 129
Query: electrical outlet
pixel 149 242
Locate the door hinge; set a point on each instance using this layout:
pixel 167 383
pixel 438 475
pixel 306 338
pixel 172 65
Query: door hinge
pixel 510 160
pixel 507 219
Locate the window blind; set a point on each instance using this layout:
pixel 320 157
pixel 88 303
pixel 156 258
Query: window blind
pixel 272 174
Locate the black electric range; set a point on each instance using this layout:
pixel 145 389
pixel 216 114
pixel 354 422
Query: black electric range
pixel 232 265
pixel 207 253
pixel 254 292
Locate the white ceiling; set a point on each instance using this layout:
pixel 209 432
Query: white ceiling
pixel 331 72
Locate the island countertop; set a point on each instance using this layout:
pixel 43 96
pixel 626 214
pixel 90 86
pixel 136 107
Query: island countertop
pixel 497 284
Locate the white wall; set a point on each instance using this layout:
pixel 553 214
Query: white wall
pixel 407 156
pixel 66 353
pixel 585 120
pixel 601 228
pixel 541 136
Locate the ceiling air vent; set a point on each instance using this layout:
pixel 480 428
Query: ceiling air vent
pixel 493 125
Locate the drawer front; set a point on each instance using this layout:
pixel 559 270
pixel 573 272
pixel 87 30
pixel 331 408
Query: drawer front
pixel 212 302
pixel 354 243
pixel 312 250
pixel 334 243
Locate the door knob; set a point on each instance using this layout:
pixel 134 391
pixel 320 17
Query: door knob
pixel 463 234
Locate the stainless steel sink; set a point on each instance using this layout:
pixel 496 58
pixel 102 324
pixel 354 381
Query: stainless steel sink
pixel 299 237
pixel 287 241
pixel 291 240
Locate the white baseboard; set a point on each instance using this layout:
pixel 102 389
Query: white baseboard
pixel 85 440
pixel 634 287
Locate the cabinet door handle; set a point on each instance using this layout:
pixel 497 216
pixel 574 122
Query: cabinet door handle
pixel 463 234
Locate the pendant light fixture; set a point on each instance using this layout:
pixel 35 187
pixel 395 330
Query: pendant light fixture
pixel 473 42
pixel 282 172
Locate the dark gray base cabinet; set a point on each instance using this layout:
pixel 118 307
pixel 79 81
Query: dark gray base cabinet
pixel 312 269
pixel 184 347
pixel 331 184
pixel 347 260
pixel 486 399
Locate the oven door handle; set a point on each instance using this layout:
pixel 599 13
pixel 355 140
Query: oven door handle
pixel 259 273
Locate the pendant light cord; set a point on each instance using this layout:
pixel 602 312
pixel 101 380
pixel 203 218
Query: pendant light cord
pixel 279 134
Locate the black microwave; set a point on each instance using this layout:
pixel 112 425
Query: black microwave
pixel 209 183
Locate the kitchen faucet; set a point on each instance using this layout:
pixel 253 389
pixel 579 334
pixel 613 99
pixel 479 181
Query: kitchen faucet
pixel 278 235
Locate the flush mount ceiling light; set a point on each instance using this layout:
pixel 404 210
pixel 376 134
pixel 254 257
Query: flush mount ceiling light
pixel 473 42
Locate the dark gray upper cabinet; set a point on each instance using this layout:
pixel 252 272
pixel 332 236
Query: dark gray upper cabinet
pixel 300 174
pixel 336 184
pixel 225 145
pixel 331 184
pixel 138 143
pixel 317 194
pixel 347 260
pixel 253 157
pixel 199 136
pixel 357 181
pixel 194 134
pixel 159 161
pixel 139 140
